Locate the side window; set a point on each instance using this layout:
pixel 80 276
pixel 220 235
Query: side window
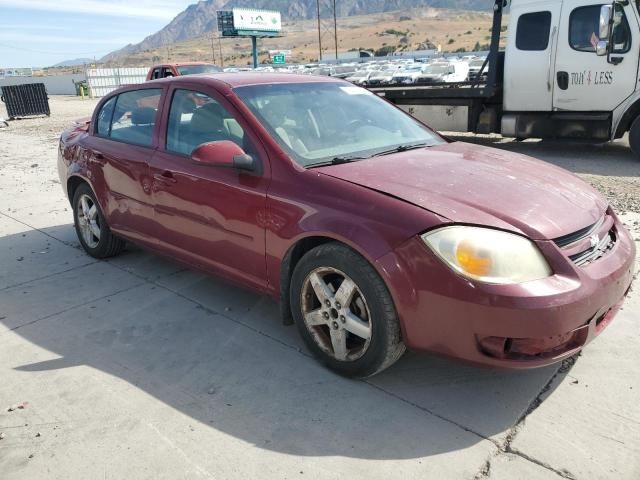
pixel 196 118
pixel 167 73
pixel 584 25
pixel 104 117
pixel 533 31
pixel 134 116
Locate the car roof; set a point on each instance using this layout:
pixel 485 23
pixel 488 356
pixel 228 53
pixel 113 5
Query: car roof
pixel 241 79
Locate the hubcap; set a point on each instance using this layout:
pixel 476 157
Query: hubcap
pixel 336 314
pixel 88 221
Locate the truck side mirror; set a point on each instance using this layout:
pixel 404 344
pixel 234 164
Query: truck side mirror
pixel 604 32
pixel 606 15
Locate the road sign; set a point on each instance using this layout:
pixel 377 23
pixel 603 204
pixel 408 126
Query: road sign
pixel 278 59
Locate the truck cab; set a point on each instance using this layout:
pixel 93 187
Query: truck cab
pixel 569 71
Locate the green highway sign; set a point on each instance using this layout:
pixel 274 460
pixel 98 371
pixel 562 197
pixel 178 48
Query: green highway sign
pixel 278 59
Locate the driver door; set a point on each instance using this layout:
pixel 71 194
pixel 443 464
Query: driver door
pixel 584 80
pixel 206 215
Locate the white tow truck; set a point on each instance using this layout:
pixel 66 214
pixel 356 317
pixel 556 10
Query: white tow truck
pixel 570 70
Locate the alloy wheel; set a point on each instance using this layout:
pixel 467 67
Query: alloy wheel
pixel 88 221
pixel 336 314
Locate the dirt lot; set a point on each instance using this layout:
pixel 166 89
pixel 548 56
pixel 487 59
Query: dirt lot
pixel 137 368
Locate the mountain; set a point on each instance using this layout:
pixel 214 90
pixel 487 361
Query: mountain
pixel 74 63
pixel 201 18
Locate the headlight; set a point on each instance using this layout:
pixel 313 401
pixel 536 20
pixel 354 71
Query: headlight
pixel 487 255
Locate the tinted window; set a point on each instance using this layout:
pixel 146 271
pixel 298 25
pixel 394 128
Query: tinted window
pixel 533 31
pixel 134 116
pixel 196 118
pixel 167 73
pixel 584 26
pixel 104 117
pixel 193 69
pixel 156 74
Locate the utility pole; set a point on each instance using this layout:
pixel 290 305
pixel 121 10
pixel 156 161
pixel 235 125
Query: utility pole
pixel 327 27
pixel 335 28
pixel 319 32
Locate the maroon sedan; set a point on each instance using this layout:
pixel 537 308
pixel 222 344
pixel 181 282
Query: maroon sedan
pixel 373 231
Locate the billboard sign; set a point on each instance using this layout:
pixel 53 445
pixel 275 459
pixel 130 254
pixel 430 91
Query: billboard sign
pixel 255 20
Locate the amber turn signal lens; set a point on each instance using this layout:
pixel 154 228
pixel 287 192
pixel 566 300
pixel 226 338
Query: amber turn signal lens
pixel 472 261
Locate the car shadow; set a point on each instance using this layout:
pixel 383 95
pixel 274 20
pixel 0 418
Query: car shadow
pixel 220 354
pixel 606 159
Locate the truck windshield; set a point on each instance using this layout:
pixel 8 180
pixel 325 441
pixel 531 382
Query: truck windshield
pixel 316 123
pixel 194 69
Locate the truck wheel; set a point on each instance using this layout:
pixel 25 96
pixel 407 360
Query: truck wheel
pixel 344 312
pixel 634 137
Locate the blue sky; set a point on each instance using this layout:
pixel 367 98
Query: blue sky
pixel 39 33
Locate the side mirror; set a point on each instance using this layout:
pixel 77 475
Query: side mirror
pixel 602 48
pixel 606 15
pixel 225 154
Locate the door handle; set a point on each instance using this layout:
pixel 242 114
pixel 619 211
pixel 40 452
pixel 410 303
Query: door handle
pixel 563 80
pixel 165 177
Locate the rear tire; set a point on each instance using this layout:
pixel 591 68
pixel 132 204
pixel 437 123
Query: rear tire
pixel 634 137
pixel 91 227
pixel 344 312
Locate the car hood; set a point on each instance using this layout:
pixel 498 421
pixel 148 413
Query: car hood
pixel 483 186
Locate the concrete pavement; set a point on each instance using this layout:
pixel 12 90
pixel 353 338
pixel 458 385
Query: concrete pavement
pixel 137 368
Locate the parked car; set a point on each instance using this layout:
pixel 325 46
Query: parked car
pixel 179 69
pixel 475 66
pixel 449 72
pixel 373 231
pixel 408 74
pixel 360 77
pixel 379 77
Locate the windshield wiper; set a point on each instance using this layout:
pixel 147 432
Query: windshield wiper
pixel 401 148
pixel 337 161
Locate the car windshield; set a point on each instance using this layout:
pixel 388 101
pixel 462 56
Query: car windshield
pixel 477 63
pixel 436 69
pixel 360 74
pixel 317 123
pixel 194 69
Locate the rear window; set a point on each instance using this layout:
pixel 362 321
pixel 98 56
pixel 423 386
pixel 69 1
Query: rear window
pixel 130 117
pixel 533 31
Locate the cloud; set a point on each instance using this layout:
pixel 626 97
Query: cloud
pixel 158 9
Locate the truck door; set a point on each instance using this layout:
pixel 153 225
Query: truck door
pixel 529 60
pixel 584 80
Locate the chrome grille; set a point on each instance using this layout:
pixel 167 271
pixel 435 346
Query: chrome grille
pixel 591 243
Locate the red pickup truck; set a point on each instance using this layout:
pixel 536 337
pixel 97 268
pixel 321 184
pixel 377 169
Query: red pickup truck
pixel 179 69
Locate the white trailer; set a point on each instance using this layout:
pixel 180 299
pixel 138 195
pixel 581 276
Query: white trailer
pixel 570 70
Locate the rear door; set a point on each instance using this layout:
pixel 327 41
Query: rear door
pixel 529 60
pixel 585 81
pixel 120 149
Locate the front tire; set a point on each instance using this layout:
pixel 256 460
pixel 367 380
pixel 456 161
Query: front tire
pixel 634 137
pixel 91 227
pixel 344 312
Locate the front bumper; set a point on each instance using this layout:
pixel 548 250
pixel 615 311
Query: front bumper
pixel 515 326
